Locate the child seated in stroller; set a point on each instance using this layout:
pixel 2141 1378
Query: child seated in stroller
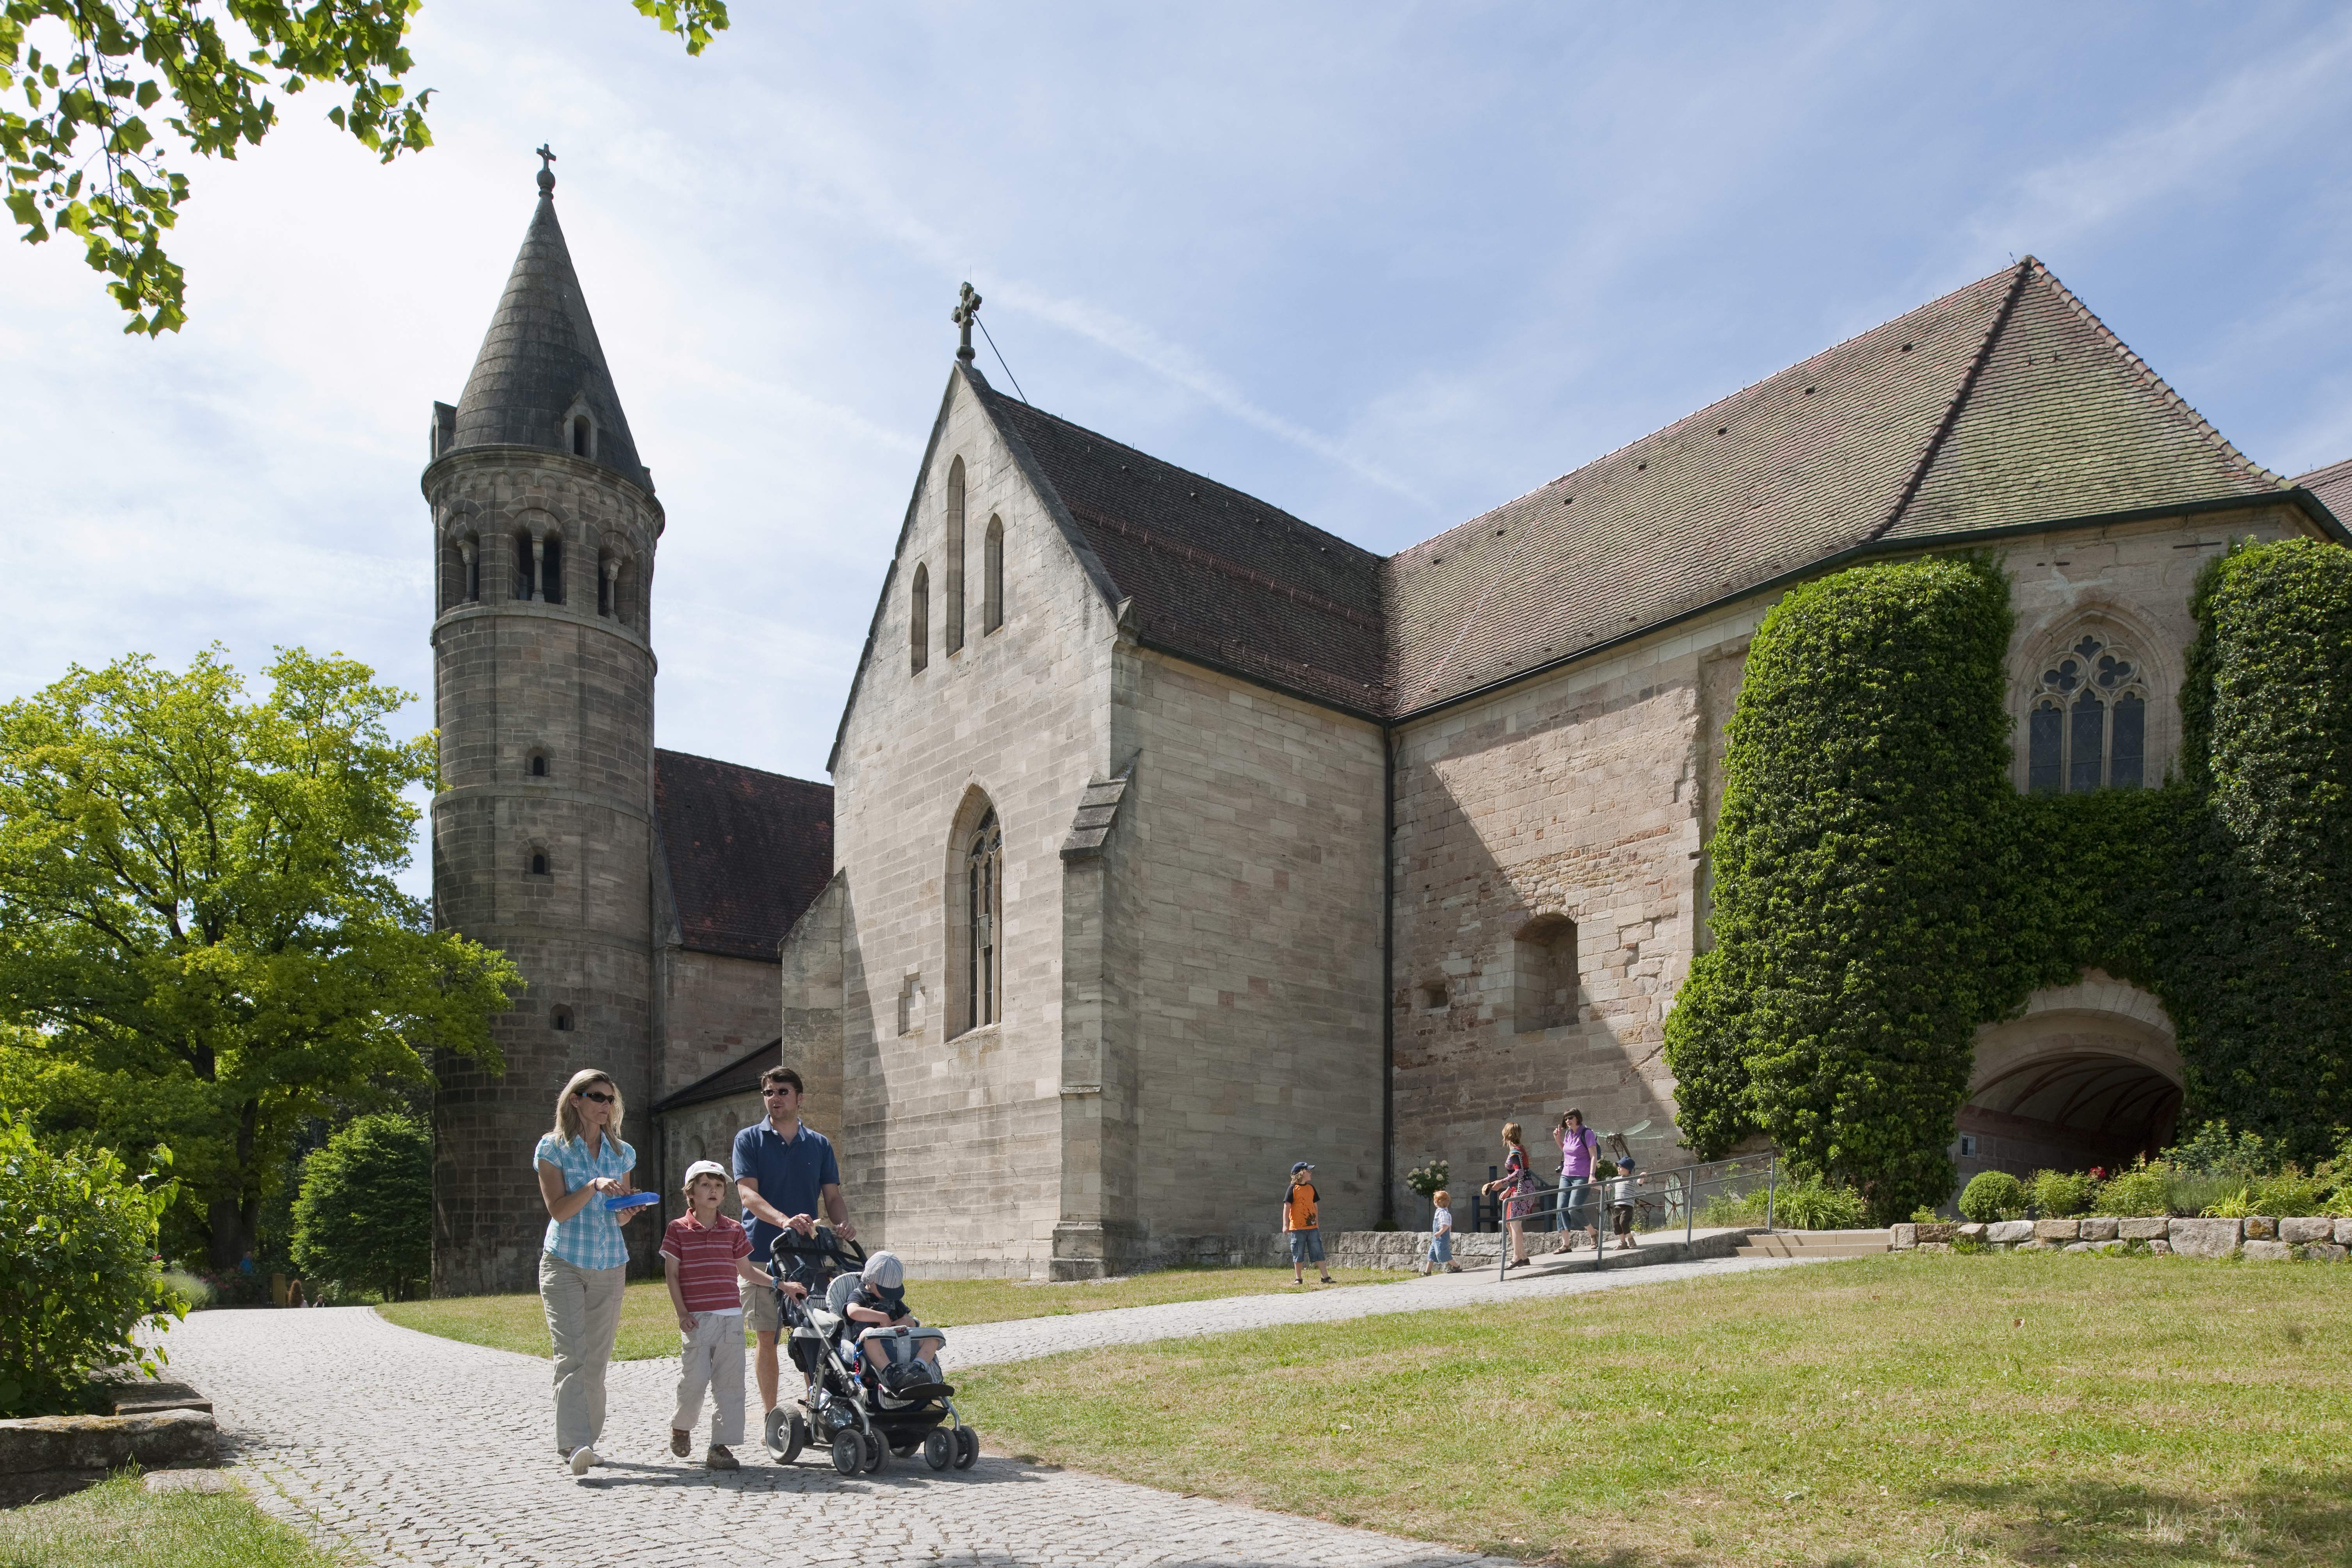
pixel 901 1363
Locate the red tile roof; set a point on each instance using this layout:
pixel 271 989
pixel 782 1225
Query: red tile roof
pixel 2332 486
pixel 746 851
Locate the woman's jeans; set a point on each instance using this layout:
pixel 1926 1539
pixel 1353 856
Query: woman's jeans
pixel 583 1314
pixel 1441 1247
pixel 1576 1205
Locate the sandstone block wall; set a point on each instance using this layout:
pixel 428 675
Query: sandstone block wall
pixel 1251 885
pixel 517 679
pixel 709 1009
pixel 952 1136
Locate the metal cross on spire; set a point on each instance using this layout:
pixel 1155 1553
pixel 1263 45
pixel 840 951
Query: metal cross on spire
pixel 546 173
pixel 966 312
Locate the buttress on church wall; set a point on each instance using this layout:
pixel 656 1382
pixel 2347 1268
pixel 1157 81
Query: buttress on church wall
pixel 951 1143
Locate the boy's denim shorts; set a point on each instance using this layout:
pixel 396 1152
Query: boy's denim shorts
pixel 1306 1247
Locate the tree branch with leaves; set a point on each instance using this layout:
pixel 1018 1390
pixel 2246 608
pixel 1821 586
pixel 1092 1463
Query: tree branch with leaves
pixel 84 158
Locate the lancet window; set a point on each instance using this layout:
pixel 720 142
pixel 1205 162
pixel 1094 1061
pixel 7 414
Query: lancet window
pixel 2087 726
pixel 985 888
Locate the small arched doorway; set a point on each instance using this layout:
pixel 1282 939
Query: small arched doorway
pixel 2089 1076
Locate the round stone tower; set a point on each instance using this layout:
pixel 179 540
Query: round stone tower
pixel 544 526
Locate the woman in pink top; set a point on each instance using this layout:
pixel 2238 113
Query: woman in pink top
pixel 1578 1147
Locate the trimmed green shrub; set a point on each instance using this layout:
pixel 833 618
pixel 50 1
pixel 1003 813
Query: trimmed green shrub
pixel 77 1272
pixel 1855 870
pixel 1811 1205
pixel 1993 1195
pixel 2058 1194
pixel 2144 1192
pixel 364 1216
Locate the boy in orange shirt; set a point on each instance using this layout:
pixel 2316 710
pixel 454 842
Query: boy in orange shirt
pixel 1300 1220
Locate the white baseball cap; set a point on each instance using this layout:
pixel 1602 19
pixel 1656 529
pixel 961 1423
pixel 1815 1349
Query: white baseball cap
pixel 703 1168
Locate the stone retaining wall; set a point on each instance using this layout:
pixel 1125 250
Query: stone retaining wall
pixel 2257 1239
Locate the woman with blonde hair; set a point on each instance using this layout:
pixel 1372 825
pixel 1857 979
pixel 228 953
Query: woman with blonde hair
pixel 582 1164
pixel 1517 1185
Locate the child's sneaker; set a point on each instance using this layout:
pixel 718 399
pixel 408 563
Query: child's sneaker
pixel 719 1458
pixel 680 1443
pixel 1454 1269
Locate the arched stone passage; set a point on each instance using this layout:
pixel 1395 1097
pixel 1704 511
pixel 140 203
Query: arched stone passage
pixel 2089 1076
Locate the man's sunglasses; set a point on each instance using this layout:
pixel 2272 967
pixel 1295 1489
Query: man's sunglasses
pixel 772 1093
pixel 598 1095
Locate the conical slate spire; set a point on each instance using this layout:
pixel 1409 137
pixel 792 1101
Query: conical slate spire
pixel 540 364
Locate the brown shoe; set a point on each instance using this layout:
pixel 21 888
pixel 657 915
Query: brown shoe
pixel 680 1443
pixel 719 1458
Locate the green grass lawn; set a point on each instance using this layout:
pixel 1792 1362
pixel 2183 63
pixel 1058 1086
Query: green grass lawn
pixel 649 1329
pixel 118 1524
pixel 2031 1409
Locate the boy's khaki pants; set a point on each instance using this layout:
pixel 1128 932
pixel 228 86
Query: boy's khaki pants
pixel 710 1356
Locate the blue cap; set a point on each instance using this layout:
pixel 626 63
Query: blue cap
pixel 1302 1165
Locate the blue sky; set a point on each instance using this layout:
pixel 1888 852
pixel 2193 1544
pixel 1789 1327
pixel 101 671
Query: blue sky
pixel 1384 266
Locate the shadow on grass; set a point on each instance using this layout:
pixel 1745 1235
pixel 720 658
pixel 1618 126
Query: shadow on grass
pixel 2294 1519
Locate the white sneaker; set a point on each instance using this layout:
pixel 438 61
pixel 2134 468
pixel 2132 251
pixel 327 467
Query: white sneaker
pixel 582 1457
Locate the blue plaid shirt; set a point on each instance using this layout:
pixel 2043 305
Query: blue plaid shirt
pixel 591 1238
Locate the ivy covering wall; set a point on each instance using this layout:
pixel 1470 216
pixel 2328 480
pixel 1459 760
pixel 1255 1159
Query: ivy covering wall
pixel 1881 889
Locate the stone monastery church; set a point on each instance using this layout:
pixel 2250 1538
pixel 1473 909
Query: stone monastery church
pixel 1173 838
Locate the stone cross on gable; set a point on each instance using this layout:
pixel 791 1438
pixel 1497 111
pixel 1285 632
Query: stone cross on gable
pixel 546 171
pixel 966 312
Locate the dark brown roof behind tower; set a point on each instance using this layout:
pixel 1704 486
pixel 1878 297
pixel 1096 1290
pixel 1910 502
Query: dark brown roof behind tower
pixel 746 851
pixel 2332 486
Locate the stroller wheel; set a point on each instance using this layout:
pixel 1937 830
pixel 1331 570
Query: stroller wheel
pixel 967 1444
pixel 877 1456
pixel 848 1453
pixel 939 1448
pixel 796 1438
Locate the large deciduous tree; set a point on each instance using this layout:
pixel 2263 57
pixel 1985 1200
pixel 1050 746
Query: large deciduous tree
pixel 83 156
pixel 202 943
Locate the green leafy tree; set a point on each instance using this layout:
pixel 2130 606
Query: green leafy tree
pixel 78 1274
pixel 1857 868
pixel 84 156
pixel 364 1216
pixel 200 939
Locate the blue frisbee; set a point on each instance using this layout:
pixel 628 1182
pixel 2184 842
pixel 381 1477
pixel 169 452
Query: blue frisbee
pixel 634 1201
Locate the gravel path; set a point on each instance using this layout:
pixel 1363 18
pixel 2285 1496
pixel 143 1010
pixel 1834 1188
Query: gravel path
pixel 414 1449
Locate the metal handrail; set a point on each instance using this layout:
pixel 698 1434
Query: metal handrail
pixel 1677 1188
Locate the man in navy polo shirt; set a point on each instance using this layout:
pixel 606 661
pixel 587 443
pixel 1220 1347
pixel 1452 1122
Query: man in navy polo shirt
pixel 783 1171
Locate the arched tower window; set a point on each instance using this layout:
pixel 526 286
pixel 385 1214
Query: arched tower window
pixel 584 437
pixel 550 569
pixel 984 905
pixel 608 578
pixel 538 764
pixel 918 620
pixel 539 862
pixel 991 577
pixel 559 1018
pixel 470 555
pixel 526 578
pixel 955 556
pixel 2087 727
pixel 1543 974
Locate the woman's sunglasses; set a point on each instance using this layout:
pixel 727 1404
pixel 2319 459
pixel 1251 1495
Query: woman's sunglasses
pixel 598 1095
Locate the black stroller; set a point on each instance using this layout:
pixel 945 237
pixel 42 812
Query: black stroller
pixel 861 1405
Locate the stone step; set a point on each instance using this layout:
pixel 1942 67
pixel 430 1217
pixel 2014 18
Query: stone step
pixel 1816 1244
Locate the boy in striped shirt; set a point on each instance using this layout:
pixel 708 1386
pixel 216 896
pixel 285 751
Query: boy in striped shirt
pixel 703 1253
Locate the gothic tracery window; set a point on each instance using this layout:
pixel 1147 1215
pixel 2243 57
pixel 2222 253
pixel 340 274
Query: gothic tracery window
pixel 2087 726
pixel 985 873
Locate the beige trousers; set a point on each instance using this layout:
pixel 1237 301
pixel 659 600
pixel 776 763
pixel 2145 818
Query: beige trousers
pixel 583 1314
pixel 710 1356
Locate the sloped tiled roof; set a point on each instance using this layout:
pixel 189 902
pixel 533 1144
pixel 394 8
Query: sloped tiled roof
pixel 541 355
pixel 2005 404
pixel 746 851
pixel 1215 574
pixel 2332 486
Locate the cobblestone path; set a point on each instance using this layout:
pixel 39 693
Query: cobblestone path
pixel 414 1450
